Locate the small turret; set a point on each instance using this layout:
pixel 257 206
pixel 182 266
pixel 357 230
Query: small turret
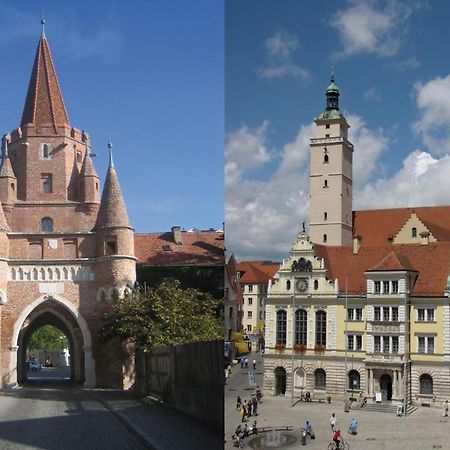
pixel 89 180
pixel 116 266
pixel 8 180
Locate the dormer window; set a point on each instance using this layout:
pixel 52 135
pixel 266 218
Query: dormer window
pixel 46 225
pixel 414 232
pixel 45 151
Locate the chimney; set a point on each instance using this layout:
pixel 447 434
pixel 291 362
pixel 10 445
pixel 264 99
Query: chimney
pixel 356 244
pixel 176 234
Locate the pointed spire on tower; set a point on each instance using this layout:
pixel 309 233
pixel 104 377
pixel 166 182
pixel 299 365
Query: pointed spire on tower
pixel 44 104
pixel 112 212
pixel 6 170
pixel 110 147
pixel 43 26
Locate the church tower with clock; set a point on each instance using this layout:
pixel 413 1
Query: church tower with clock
pixel 331 175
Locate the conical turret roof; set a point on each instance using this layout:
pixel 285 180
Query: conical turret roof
pixel 6 170
pixel 44 103
pixel 88 169
pixel 112 212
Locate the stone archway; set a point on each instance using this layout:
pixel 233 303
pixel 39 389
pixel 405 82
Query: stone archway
pixel 56 311
pixel 386 387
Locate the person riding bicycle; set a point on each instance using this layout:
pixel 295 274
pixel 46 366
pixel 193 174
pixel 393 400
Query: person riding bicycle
pixel 337 438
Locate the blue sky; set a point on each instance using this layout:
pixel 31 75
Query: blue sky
pixel 393 70
pixel 148 74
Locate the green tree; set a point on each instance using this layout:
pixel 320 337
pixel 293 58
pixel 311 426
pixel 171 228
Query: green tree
pixel 164 315
pixel 48 338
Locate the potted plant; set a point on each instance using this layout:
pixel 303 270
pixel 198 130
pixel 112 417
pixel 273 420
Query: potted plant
pixel 319 348
pixel 280 346
pixel 300 348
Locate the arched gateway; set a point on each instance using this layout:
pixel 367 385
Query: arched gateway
pixel 61 244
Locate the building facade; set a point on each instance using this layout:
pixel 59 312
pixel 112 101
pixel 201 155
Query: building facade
pixel 66 252
pixel 360 308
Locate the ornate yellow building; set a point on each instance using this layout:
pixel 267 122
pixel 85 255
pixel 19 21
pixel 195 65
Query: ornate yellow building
pixel 361 308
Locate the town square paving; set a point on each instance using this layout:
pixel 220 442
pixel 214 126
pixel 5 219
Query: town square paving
pixel 424 429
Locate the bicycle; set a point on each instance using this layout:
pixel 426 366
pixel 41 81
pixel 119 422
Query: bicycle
pixel 342 446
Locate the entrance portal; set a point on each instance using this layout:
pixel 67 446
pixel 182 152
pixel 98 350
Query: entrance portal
pixel 386 387
pixel 280 381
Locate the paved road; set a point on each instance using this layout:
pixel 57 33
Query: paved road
pixel 52 414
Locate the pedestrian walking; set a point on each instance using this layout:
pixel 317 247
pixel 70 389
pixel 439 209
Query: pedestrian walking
pixel 242 363
pixel 333 422
pixel 238 403
pixel 446 406
pixel 258 394
pixel 227 374
pixel 249 408
pixel 254 364
pixel 243 412
pixel 255 406
pixel 246 363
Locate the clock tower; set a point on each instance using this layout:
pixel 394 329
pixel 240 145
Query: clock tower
pixel 330 219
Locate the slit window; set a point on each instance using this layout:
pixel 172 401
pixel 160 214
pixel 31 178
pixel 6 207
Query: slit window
pixel 110 245
pixel 47 183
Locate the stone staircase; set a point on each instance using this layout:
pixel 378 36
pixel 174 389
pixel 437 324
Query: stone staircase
pixel 386 407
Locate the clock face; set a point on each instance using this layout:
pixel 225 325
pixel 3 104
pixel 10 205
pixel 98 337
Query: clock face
pixel 302 285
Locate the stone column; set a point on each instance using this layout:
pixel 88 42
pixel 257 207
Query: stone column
pixel 394 384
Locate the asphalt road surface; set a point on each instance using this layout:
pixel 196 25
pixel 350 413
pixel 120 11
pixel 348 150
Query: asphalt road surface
pixel 50 413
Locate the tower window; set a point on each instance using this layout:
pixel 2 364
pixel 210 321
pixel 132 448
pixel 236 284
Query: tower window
pixel 45 151
pixel 325 158
pixel 325 216
pixel 47 183
pixel 325 183
pixel 324 238
pixel 46 225
pixel 327 135
pixel 110 245
pixel 79 156
pixel 327 125
pixel 13 186
pixel 414 232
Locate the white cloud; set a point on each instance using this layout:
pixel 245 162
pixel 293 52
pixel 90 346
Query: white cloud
pixel 372 27
pixel 372 94
pixel 422 181
pixel 409 63
pixel 434 122
pixel 279 49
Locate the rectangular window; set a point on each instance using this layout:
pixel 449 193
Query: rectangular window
pixel 394 344
pixel 350 312
pixel 110 245
pixel 430 315
pixel 250 288
pixel 377 344
pixel 377 313
pixel 358 312
pixel 385 344
pixel 249 328
pixel 386 287
pixel 421 346
pixel 421 315
pixel 377 285
pixel 395 287
pixel 386 314
pixel 47 183
pixel 394 314
pixel 358 343
pixel 350 342
pixel 250 301
pixel 249 314
pixel 430 345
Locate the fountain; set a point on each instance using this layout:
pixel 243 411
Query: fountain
pixel 272 439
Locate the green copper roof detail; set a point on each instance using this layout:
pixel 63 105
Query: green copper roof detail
pixel 332 88
pixel 330 115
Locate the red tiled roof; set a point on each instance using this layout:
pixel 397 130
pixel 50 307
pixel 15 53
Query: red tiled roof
pixel 431 261
pixel 257 272
pixel 376 226
pixel 202 248
pixel 44 104
pixel 393 262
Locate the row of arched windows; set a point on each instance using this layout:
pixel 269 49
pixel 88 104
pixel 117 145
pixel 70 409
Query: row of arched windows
pixel 301 327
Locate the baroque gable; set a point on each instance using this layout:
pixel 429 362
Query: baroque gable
pixel 414 231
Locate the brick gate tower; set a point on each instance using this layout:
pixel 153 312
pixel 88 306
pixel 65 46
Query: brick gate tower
pixel 65 253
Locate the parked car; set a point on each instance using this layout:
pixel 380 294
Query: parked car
pixel 34 366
